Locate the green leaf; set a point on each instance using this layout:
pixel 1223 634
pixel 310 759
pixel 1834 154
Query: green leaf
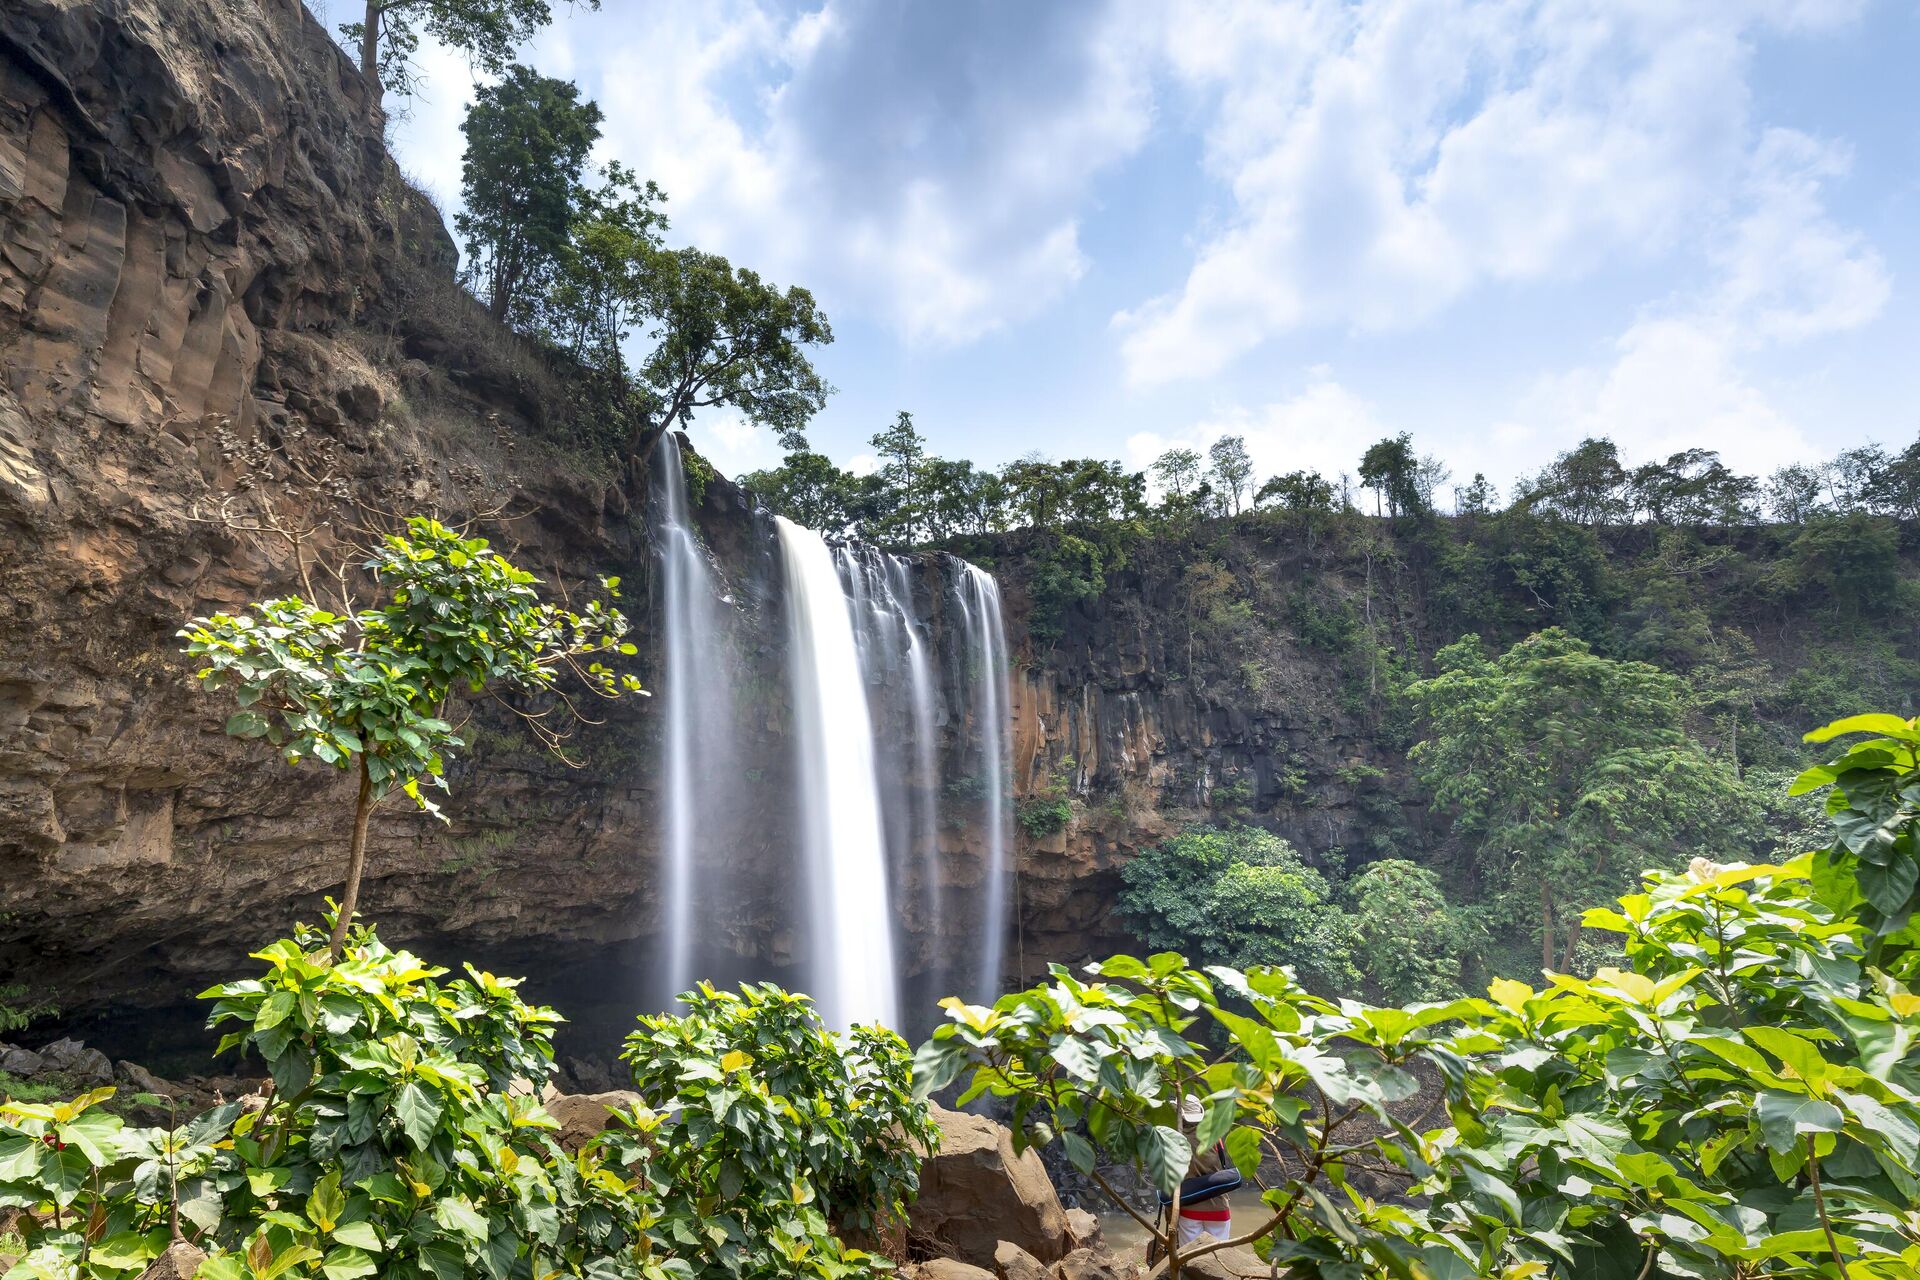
pixel 1873 722
pixel 1890 887
pixel 1215 1123
pixel 456 1213
pixel 361 1235
pixel 1795 1050
pixel 1785 1117
pixel 347 1263
pixel 1080 1152
pixel 1243 1148
pixel 419 1111
pixel 1168 1155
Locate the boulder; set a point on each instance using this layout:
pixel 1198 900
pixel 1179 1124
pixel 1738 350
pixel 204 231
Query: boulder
pixel 1238 1263
pixel 1089 1264
pixel 141 1080
pixel 584 1116
pixel 948 1269
pixel 1083 1226
pixel 22 1063
pixel 178 1262
pixel 975 1192
pixel 1011 1262
pixel 68 1057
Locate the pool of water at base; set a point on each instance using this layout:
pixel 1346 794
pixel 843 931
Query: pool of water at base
pixel 1128 1239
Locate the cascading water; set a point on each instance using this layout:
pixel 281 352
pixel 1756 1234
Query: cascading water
pixel 849 916
pixel 987 647
pixel 926 806
pixel 698 710
pixel 834 767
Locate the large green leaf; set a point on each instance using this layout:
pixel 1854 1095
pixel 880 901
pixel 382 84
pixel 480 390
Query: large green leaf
pixel 1167 1155
pixel 1786 1117
pixel 419 1112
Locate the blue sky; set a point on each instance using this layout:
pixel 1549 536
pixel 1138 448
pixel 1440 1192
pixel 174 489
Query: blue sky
pixel 1103 227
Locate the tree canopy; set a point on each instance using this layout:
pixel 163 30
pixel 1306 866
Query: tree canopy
pixel 528 136
pixel 1569 771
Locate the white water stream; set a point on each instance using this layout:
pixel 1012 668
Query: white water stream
pixel 837 864
pixel 849 911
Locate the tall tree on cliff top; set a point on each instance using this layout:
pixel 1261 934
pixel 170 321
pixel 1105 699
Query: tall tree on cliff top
pixel 487 31
pixel 1570 772
pixel 527 141
pixel 724 336
pixel 1232 470
pixel 903 454
pixel 368 690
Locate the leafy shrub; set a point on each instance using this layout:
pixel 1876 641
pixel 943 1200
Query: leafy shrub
pixel 1239 895
pixel 1043 816
pixel 393 1142
pixel 1741 1100
pixel 1755 1116
pixel 770 1132
pixel 402 1137
pixel 1408 941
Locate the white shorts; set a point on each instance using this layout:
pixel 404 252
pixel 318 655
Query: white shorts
pixel 1192 1229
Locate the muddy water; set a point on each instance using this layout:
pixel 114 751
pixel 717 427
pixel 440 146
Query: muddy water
pixel 1126 1238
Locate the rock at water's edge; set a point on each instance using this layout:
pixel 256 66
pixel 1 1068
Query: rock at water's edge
pixel 975 1192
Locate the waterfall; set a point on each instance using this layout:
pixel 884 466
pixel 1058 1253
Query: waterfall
pixel 987 650
pixel 824 735
pixel 849 913
pixel 925 835
pixel 695 689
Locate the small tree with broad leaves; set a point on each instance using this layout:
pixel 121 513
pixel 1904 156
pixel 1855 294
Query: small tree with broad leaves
pixel 368 690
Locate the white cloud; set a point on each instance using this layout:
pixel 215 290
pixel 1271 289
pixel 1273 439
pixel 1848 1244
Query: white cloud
pixel 1324 428
pixel 732 444
pixel 921 164
pixel 1402 153
pixel 1682 375
pixel 1674 384
pixel 1788 271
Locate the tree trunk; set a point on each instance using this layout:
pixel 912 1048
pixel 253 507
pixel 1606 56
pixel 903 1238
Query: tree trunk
pixel 1573 945
pixel 356 861
pixel 1546 924
pixel 370 56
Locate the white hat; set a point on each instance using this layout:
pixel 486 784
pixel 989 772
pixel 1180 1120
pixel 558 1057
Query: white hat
pixel 1191 1112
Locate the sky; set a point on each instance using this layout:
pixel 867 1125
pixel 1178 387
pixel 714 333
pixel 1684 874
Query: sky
pixel 1109 227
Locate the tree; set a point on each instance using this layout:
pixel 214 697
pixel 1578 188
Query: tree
pixel 903 453
pixel 1586 484
pixel 1569 771
pixel 528 136
pixel 1894 488
pixel 1738 1100
pixel 368 690
pixel 1693 487
pixel 487 31
pixel 594 301
pixel 1078 491
pixel 1851 477
pixel 1304 495
pixel 724 336
pixel 1409 942
pixel 1796 493
pixel 1390 469
pixel 1177 471
pixel 1854 560
pixel 808 489
pixel 1238 895
pixel 963 499
pixel 1231 468
pixel 1476 499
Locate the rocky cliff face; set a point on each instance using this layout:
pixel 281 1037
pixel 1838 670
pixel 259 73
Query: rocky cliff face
pixel 218 301
pixel 212 283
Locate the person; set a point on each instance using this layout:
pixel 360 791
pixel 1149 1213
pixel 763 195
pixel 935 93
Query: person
pixel 1204 1209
